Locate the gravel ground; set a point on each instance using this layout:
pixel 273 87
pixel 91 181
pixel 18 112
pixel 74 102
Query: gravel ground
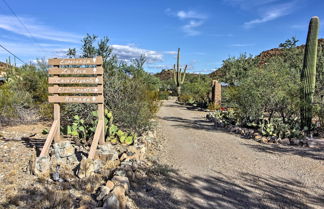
pixel 200 167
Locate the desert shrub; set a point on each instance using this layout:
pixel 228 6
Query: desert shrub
pixel 319 114
pixel 212 106
pixel 186 99
pixel 24 94
pixel 130 92
pixel 234 69
pixel 266 91
pixel 164 95
pixel 130 100
pixel 196 90
pixel 270 91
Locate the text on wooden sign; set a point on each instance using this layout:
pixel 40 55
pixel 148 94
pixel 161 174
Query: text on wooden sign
pixel 76 71
pixel 75 80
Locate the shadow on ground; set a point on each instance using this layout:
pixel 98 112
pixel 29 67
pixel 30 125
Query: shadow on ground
pixel 197 123
pixel 166 188
pixel 314 153
pixel 201 124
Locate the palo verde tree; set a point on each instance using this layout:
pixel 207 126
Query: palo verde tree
pixel 308 74
pixel 179 75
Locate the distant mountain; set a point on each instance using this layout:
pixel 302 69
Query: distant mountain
pixel 264 56
pixel 165 74
pixel 168 74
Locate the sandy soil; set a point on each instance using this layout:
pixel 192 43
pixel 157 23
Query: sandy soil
pixel 200 167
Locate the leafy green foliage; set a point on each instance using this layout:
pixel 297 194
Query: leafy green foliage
pixel 130 92
pixel 24 94
pixel 195 89
pixel 86 130
pixel 235 69
pixel 267 95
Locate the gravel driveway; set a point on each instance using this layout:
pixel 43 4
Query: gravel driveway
pixel 207 168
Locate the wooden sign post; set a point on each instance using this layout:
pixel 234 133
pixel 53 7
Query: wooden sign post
pixel 87 83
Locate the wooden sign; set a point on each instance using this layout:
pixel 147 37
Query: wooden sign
pixel 75 80
pixel 75 90
pixel 64 72
pixel 75 99
pixel 80 61
pixel 76 71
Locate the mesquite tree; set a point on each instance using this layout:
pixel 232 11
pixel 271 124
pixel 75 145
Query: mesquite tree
pixel 308 74
pixel 179 75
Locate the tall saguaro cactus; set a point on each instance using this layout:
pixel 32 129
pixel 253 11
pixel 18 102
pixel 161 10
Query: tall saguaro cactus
pixel 308 74
pixel 179 75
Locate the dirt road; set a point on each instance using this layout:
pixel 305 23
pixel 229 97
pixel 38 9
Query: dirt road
pixel 208 168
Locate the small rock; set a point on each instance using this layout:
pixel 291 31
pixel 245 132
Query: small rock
pixel 110 184
pixel 123 157
pixel 294 141
pixel 284 141
pixel 42 167
pixel 63 149
pixel 83 207
pixel 97 165
pixel 139 174
pixel 106 152
pixel 111 202
pixel 86 169
pixel 257 137
pixel 120 172
pixel 264 140
pixel 119 191
pixel 103 192
pixel 123 181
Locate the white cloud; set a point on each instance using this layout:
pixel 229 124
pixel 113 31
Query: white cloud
pixel 128 52
pixel 191 28
pixel 250 4
pixel 38 30
pixel 191 15
pixel 27 51
pixel 268 10
pixel 271 14
pixel 195 20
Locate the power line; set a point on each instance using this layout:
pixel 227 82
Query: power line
pixel 12 54
pixel 30 34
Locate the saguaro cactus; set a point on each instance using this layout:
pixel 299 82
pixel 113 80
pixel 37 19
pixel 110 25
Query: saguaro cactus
pixel 179 75
pixel 308 74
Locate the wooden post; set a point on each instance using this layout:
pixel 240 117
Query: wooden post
pixel 101 116
pixel 57 115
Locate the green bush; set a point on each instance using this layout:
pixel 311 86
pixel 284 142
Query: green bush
pixel 164 95
pixel 84 131
pixel 131 100
pixel 130 93
pixel 23 97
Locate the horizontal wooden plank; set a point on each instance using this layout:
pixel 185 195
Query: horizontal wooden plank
pixel 76 61
pixel 75 90
pixel 76 99
pixel 76 71
pixel 75 80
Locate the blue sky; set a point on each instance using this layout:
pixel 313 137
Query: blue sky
pixel 207 31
